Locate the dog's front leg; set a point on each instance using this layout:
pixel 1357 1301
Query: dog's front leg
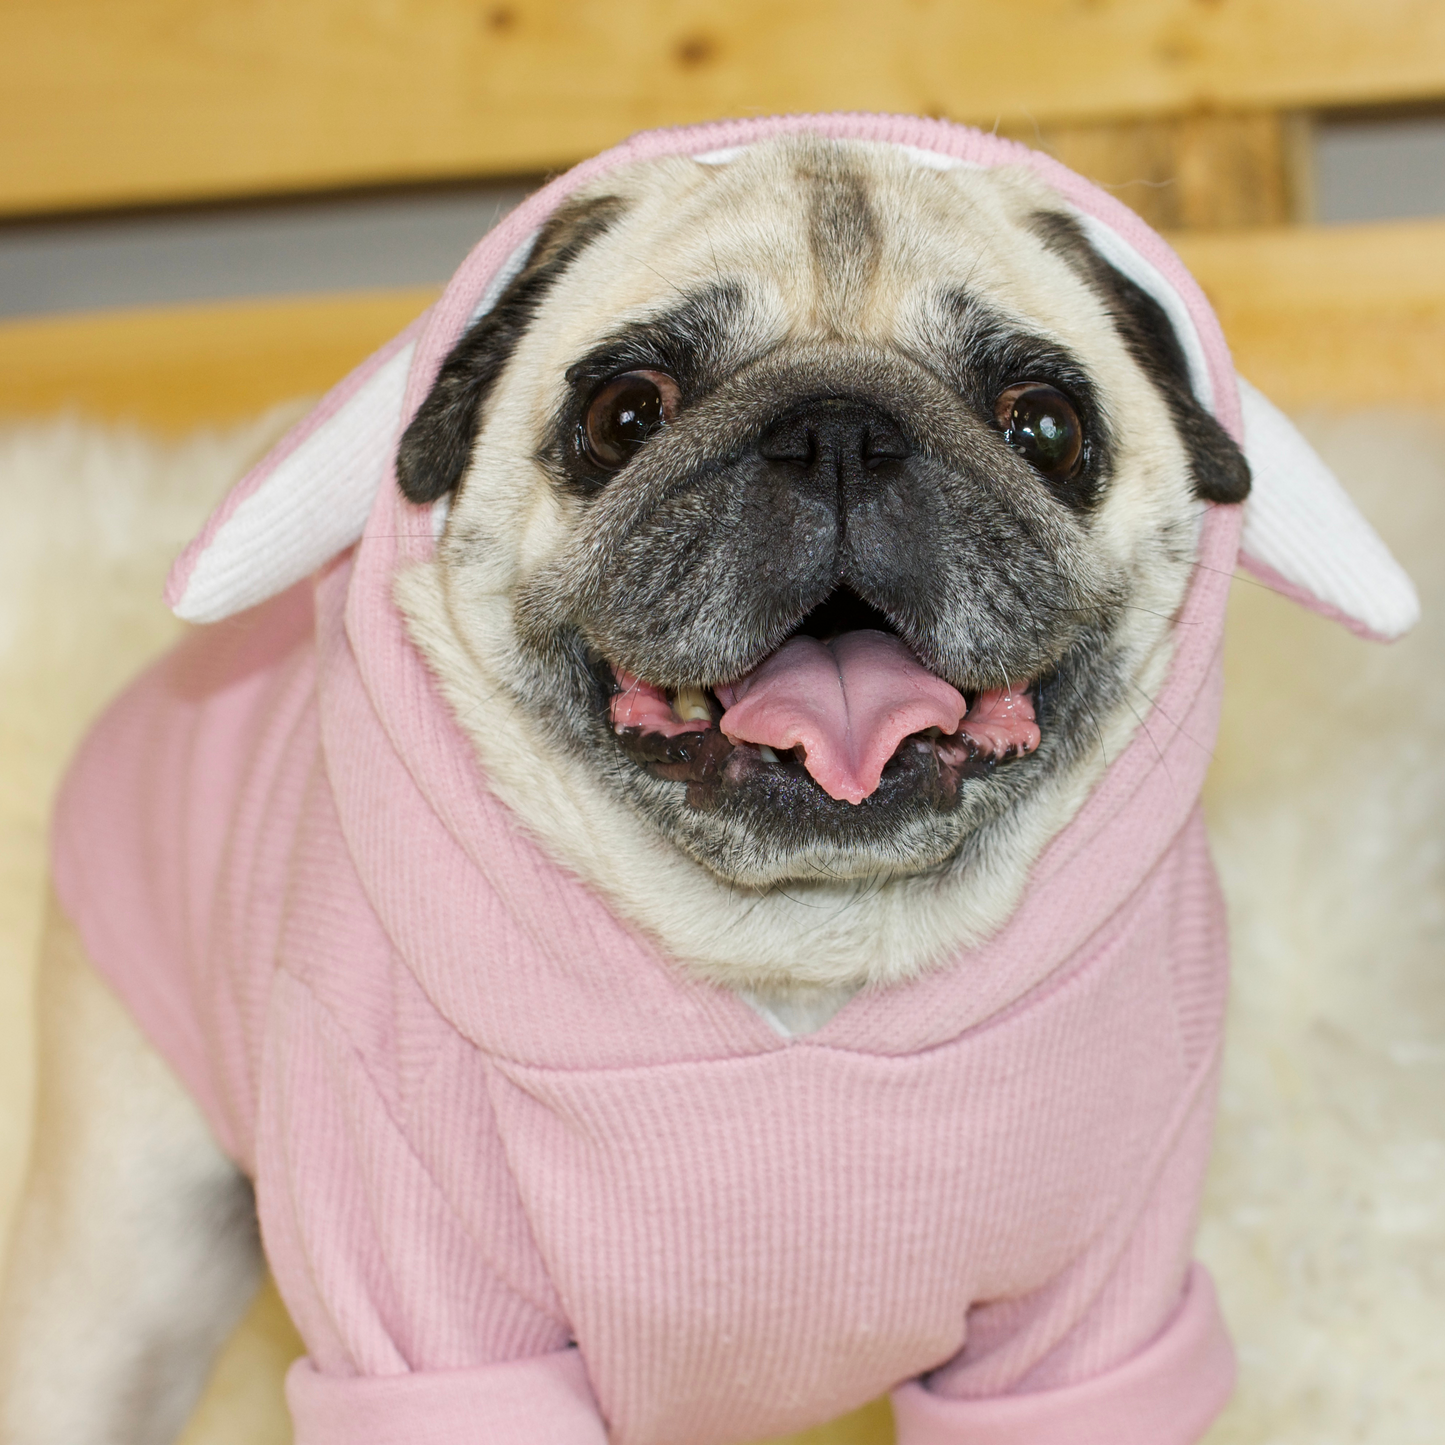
pixel 135 1247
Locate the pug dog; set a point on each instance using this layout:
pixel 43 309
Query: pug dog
pixel 818 525
pixel 815 521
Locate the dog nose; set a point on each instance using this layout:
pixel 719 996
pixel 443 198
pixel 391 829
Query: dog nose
pixel 833 441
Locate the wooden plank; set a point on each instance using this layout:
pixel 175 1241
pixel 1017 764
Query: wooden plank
pixel 173 368
pixel 1339 316
pixel 1201 171
pixel 119 102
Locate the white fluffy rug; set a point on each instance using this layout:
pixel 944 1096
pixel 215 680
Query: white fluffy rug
pixel 1325 1219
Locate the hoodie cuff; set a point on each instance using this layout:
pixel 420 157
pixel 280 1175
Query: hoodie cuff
pixel 545 1400
pixel 1167 1394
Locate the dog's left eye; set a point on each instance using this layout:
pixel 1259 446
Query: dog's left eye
pixel 624 412
pixel 1041 425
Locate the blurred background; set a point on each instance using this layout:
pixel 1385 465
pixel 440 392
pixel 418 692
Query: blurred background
pixel 269 188
pixel 211 209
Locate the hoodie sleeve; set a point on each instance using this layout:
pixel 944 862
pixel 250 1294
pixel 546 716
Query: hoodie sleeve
pixel 1126 1346
pixel 545 1400
pixel 1166 1394
pixel 417 1329
pixel 182 796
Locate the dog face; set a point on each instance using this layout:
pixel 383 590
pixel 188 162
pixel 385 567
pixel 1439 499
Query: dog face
pixel 820 508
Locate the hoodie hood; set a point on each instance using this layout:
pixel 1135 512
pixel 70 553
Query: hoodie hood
pixel 310 498
pixel 330 484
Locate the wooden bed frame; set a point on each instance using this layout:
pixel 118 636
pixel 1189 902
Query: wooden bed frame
pixel 1198 111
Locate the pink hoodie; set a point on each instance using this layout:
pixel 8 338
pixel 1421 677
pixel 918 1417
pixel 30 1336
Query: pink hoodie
pixel 522 1180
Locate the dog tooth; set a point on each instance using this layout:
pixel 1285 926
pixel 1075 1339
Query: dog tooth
pixel 766 753
pixel 690 704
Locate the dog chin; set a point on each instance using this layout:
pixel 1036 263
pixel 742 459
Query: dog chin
pixel 798 925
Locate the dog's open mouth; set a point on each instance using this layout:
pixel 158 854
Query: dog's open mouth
pixel 841 698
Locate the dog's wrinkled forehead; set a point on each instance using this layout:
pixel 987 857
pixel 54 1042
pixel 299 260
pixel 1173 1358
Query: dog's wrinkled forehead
pixel 836 253
pixel 848 240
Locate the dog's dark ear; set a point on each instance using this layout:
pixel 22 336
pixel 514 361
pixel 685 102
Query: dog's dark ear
pixel 1220 471
pixel 437 446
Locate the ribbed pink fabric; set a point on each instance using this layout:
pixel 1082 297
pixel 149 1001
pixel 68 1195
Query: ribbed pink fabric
pixel 1170 1391
pixel 519 1176
pixel 546 1398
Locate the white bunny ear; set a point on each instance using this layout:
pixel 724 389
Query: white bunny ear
pixel 1304 537
pixel 304 503
pixel 309 499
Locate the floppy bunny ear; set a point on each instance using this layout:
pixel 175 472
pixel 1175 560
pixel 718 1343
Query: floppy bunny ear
pixel 309 498
pixel 1305 538
pixel 301 505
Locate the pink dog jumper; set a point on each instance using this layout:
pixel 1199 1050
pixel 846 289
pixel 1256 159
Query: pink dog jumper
pixel 521 1179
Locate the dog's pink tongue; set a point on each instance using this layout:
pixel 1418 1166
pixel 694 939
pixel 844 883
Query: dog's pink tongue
pixel 847 703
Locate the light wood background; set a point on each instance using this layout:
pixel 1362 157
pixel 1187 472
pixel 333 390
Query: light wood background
pixel 1336 316
pixel 106 102
pixel 1197 113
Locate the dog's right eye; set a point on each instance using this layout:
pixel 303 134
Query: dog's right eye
pixel 624 412
pixel 1039 423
